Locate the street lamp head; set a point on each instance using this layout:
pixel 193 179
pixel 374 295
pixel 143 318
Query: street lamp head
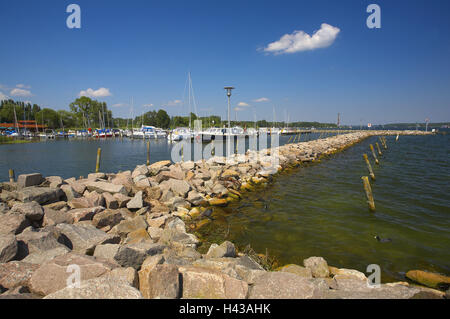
pixel 229 88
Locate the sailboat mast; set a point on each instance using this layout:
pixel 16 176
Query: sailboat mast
pixel 189 89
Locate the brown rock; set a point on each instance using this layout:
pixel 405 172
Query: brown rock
pixel 211 284
pixel 16 273
pixel 429 279
pixel 53 275
pixel 160 281
pixel 107 217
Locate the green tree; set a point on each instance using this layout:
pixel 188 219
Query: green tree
pixel 162 119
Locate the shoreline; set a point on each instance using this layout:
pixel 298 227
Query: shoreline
pixel 132 225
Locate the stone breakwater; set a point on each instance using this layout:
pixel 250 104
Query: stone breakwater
pixel 125 235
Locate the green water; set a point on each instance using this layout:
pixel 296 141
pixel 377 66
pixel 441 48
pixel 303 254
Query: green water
pixel 320 210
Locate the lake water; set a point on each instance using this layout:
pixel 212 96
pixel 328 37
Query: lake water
pixel 321 210
pixel 77 157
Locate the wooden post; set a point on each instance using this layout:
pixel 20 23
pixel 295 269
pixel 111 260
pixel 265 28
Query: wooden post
pixel 383 142
pixel 368 191
pixel 374 155
pixel 378 148
pixel 289 139
pixel 369 167
pixel 97 166
pixel 11 176
pixel 148 153
pixel 182 153
pixel 213 150
pixel 396 139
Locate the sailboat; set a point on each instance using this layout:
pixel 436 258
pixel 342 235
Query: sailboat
pixel 184 133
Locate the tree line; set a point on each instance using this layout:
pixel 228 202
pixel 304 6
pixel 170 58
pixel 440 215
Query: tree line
pixel 88 113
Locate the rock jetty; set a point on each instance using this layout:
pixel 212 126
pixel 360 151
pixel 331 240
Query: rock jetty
pixel 123 235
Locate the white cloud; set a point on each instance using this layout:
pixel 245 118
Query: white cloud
pixel 148 105
pixel 3 96
pixel 238 109
pixel 261 99
pixel 23 86
pixel 301 41
pixel 242 104
pixel 20 92
pixel 119 104
pixel 173 103
pixel 101 92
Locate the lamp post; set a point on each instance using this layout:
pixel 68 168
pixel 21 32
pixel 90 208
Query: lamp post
pixel 228 89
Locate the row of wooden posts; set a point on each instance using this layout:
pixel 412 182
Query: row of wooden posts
pixel 365 179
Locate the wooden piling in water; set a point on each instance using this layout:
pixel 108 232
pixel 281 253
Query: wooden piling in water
pixel 383 142
pixel 378 148
pixel 148 153
pixel 290 139
pixel 11 176
pixel 97 166
pixel 396 139
pixel 182 153
pixel 374 155
pixel 368 191
pixel 369 167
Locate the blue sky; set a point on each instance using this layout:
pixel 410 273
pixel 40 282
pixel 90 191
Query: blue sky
pixel 144 50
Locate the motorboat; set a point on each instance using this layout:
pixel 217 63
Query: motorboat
pixel 181 133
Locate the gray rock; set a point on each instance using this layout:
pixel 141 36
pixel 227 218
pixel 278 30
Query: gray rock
pixel 318 266
pixel 101 187
pixel 129 275
pixel 226 249
pixel 26 180
pixel 32 210
pixel 122 200
pixel 8 248
pixel 107 217
pixel 41 257
pixel 70 192
pixel 55 217
pixel 56 274
pixel 98 288
pixel 133 255
pixel 13 223
pixel 140 170
pixel 85 238
pixel 111 202
pixel 41 195
pixel 33 240
pixel 106 251
pixel 195 197
pixel 136 202
pixel 3 208
pixel 95 176
pixel 179 187
pixel 81 214
pixel 203 283
pixel 129 225
pixel 16 273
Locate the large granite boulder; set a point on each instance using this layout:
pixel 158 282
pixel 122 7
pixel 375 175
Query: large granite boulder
pixel 318 266
pixel 26 180
pixel 56 274
pixel 206 283
pixel 284 285
pixel 13 223
pixel 101 187
pixel 84 238
pixel 160 281
pixel 32 210
pixel 37 240
pixel 98 288
pixel 16 273
pixel 226 249
pixel 41 195
pixel 8 248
